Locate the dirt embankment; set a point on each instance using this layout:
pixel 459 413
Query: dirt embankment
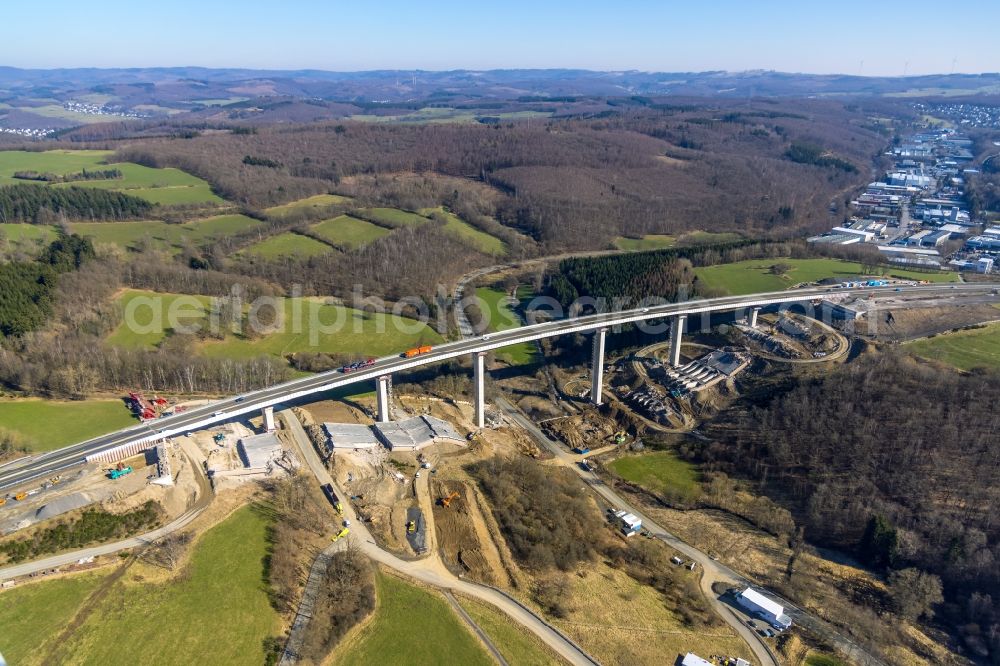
pixel 464 540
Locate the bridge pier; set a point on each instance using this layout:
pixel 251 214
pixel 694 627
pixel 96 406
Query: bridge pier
pixel 383 408
pixel 753 317
pixel 676 333
pixel 597 367
pixel 479 387
pixel 268 414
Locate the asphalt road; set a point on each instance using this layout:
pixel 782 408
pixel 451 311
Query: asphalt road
pixel 26 470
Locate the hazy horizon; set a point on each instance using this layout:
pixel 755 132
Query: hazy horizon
pixel 851 38
pixel 403 70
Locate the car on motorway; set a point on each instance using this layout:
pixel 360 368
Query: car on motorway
pixel 486 337
pixel 219 413
pixel 358 365
pixel 645 309
pixel 239 398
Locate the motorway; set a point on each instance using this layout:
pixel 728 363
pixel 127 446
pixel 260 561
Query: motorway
pixel 26 470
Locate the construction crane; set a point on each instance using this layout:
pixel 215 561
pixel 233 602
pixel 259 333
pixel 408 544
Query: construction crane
pixel 446 501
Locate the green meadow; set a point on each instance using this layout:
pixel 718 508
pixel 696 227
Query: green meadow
pixel 156 234
pixel 755 275
pixel 306 324
pixel 288 244
pixel 349 232
pixel 161 186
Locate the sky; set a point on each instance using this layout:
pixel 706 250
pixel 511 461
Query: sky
pixel 838 36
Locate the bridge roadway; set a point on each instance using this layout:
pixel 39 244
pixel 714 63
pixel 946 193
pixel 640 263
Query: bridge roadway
pixel 25 470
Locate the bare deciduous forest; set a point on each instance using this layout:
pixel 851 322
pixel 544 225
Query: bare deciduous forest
pixel 566 183
pixel 889 459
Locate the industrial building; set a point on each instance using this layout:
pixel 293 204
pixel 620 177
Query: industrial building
pixel 691 659
pixel 984 243
pixel 628 523
pixel 257 451
pixel 351 436
pixel 415 433
pixel 760 606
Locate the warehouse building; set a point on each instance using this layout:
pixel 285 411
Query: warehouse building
pixel 760 606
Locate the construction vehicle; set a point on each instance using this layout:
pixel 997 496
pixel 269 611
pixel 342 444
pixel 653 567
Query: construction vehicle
pixel 620 437
pixel 219 437
pixel 340 535
pixel 120 471
pixel 416 351
pixel 411 526
pixel 20 496
pixel 332 498
pixel 446 501
pixel 3 500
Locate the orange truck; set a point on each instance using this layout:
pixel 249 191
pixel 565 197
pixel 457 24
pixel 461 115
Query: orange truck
pixel 416 351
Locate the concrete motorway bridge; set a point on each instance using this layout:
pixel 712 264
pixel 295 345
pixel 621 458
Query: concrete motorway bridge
pixel 130 441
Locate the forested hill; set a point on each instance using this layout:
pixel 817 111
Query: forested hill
pixel 892 460
pixel 27 288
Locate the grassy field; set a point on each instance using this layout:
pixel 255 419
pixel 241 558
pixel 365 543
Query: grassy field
pixel 661 472
pixel 177 195
pixel 620 621
pixel 160 235
pixel 468 234
pixel 317 201
pixel 648 242
pixel 392 217
pixel 349 232
pixel 517 645
pixel 707 238
pixel 16 232
pixel 32 615
pixel 51 424
pixel 217 610
pixel 151 314
pixel 501 317
pixel 748 277
pixel 336 329
pixel 163 186
pixel 976 348
pixel 288 244
pixel 411 626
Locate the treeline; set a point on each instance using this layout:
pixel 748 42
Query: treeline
pixel 807 153
pixel 346 598
pixel 545 515
pixel 93 526
pixel 659 273
pixel 261 161
pixel 101 174
pixel 27 288
pixel 76 365
pixel 892 460
pixel 27 203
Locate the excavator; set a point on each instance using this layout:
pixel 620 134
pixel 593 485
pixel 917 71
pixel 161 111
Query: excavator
pixel 446 501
